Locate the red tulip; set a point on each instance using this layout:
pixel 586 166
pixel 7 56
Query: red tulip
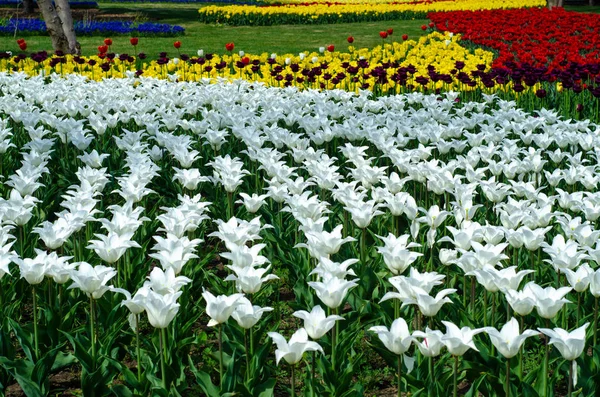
pixel 330 48
pixel 245 60
pixel 390 32
pixel 19 41
pixel 383 34
pixel 108 42
pixel 424 27
pixel 103 49
pixel 133 41
pixel 229 46
pixel 431 25
pixel 404 37
pixel 177 44
pixel 23 45
pixel 350 39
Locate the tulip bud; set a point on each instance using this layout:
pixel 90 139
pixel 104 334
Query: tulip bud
pixel 390 32
pixel 133 41
pixel 177 44
pixel 404 37
pixel 229 46
pixel 448 256
pixel 423 27
pixel 330 48
pixel 108 42
pixel 350 39
pixel 383 34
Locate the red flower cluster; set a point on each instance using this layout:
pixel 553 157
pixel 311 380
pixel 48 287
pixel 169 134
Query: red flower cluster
pixel 339 3
pixel 22 44
pixel 537 37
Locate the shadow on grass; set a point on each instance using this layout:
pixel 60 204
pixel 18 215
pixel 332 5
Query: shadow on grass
pixel 177 15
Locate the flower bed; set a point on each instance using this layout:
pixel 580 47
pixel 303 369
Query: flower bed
pixel 435 63
pixel 541 38
pixel 92 28
pixel 426 64
pixel 186 1
pixel 143 220
pixel 318 13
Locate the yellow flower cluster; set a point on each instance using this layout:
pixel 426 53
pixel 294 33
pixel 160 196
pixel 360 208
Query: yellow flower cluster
pixel 377 69
pixel 311 9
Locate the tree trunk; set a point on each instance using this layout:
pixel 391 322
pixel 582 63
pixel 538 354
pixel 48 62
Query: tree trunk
pixel 561 3
pixel 28 6
pixel 59 24
pixel 64 12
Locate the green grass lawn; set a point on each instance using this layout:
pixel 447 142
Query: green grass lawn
pixel 212 38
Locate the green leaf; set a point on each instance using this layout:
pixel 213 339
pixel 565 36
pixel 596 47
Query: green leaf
pixel 25 338
pixel 121 391
pixel 81 353
pixel 203 380
pixel 265 389
pixel 22 370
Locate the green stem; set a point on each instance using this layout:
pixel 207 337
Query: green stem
pixel 455 394
pixel 570 388
pixel 507 377
pixel 472 296
pixel 578 309
pixel 22 233
pixel 247 354
pixel 431 375
pixel 293 381
pixel 399 375
pixel 93 330
pixel 493 320
pixel 485 299
pixel 35 325
pixel 363 250
pixel 162 341
pixel 333 341
pixel 464 291
pixel 430 262
pixel 521 351
pixel 251 342
pixel 545 375
pixel 137 348
pixel 313 370
pixel 595 320
pixel 221 356
pixel 230 202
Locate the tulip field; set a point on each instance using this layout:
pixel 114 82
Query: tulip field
pixel 421 218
